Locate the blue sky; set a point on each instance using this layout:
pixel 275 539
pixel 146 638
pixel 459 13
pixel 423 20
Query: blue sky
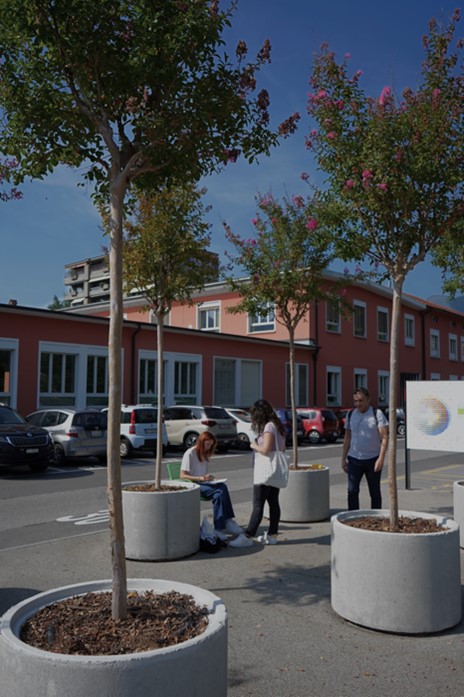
pixel 55 223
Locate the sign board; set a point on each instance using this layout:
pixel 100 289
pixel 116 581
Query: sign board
pixel 435 415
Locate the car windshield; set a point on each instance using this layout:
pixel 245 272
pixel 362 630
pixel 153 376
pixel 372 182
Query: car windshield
pixel 146 416
pixel 216 413
pixel 9 416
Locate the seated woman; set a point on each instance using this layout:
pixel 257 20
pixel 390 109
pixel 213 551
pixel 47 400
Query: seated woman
pixel 195 468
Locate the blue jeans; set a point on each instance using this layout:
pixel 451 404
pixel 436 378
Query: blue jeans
pixel 356 470
pixel 222 505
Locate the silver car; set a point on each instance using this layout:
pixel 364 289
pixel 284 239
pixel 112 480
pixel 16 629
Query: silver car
pixel 74 433
pixel 184 423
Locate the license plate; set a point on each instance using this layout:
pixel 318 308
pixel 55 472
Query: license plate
pixel 95 434
pixel 31 451
pixel 149 430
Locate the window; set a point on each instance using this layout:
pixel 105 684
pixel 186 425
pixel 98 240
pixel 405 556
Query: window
pixel 236 381
pixel 148 380
pixel 8 371
pixel 208 317
pixel 301 384
pixel 383 386
pixel 97 381
pixel 435 376
pixel 434 343
pixel 334 386
pixel 462 348
pixel 185 382
pixel 453 347
pixel 360 378
pixel 453 377
pixel 359 319
pixel 264 321
pixel 409 330
pixel 382 324
pixel 332 322
pixel 57 379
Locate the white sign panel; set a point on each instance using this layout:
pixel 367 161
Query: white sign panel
pixel 435 415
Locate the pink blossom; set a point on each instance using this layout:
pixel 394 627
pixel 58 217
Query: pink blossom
pixel 304 176
pixel 298 201
pixel 322 94
pixel 311 224
pixel 357 74
pixel 347 56
pixel 382 186
pixel 367 174
pixel 267 201
pixel 384 95
pixel 350 184
pixel 254 221
pixel 313 133
pixel 331 135
pixel 339 103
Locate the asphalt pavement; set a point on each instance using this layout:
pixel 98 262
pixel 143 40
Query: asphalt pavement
pixel 284 638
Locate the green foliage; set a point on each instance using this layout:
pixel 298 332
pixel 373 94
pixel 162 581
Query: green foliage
pixel 58 304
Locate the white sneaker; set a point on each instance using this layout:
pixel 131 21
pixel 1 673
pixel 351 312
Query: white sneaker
pixel 241 541
pixel 220 535
pixel 267 539
pixel 233 527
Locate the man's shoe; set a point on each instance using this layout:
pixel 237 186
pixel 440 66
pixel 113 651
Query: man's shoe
pixel 241 541
pixel 233 527
pixel 267 539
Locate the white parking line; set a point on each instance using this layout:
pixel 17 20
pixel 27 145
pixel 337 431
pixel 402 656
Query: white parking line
pixel 89 519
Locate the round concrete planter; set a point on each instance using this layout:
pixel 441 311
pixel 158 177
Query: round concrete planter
pixel 196 667
pixel 161 525
pixel 458 508
pixel 307 496
pixel 396 582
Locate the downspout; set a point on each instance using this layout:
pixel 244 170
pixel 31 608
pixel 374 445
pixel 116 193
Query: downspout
pixel 316 351
pixel 134 363
pixel 423 343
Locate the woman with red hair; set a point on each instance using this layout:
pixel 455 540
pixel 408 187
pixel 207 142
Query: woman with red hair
pixel 195 468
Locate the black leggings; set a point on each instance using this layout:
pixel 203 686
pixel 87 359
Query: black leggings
pixel 261 494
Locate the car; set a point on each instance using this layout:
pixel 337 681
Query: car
pixel 342 415
pixel 285 415
pixel 185 422
pixel 22 443
pixel 400 420
pixel 319 424
pixel 75 433
pixel 139 423
pixel 245 434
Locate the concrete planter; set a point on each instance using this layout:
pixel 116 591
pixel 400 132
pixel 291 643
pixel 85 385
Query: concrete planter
pixel 307 496
pixel 458 508
pixel 195 667
pixel 161 525
pixel 396 582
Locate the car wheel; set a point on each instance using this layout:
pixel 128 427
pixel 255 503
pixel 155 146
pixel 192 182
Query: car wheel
pixel 58 456
pixel 38 466
pixel 401 429
pixel 243 442
pixel 190 440
pixel 125 448
pixel 314 437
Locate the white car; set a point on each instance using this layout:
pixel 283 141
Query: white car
pixel 138 429
pixel 245 433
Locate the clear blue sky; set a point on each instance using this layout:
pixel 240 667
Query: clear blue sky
pixel 55 223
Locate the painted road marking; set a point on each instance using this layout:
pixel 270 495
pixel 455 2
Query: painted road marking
pixel 102 516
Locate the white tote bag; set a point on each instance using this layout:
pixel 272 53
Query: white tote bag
pixel 271 469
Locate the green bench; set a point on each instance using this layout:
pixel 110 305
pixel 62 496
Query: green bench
pixel 174 473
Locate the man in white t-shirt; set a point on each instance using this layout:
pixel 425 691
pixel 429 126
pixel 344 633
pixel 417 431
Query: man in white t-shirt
pixel 364 448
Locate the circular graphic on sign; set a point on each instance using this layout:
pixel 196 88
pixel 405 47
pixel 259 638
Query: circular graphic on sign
pixel 432 416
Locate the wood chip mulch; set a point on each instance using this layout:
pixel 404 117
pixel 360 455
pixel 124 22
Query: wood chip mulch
pixel 83 624
pixel 405 525
pixel 153 487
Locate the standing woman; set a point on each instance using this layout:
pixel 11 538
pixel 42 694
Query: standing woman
pixel 271 436
pixel 194 467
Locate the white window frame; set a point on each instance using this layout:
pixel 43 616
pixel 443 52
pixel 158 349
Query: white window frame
pixel 380 335
pixel 435 336
pixel 360 305
pixel 331 325
pixel 453 377
pixel 94 398
pixel 453 352
pixel 301 384
pixel 12 345
pixel 210 309
pixel 260 323
pixel 334 399
pixel 411 321
pixel 383 387
pixel 145 396
pixel 435 376
pixel 238 388
pixel 359 378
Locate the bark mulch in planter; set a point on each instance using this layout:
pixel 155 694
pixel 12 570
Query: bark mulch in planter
pixel 153 487
pixel 405 525
pixel 83 624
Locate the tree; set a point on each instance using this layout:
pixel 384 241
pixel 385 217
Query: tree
pixel 7 167
pixel 58 304
pixel 166 257
pixel 285 262
pixel 131 90
pixel 395 172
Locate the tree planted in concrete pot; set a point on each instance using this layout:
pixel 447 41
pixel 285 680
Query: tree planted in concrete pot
pixel 307 496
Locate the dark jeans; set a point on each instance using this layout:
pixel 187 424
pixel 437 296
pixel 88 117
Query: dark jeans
pixel 222 505
pixel 261 494
pixel 356 470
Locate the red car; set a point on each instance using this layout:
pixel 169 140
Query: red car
pixel 342 415
pixel 319 423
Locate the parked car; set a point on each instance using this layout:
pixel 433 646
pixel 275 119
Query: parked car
pixel 342 415
pixel 75 433
pixel 318 424
pixel 185 422
pixel 400 420
pixel 285 415
pixel 22 443
pixel 245 434
pixel 139 429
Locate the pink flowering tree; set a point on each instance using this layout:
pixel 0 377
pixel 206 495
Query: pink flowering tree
pixel 285 261
pixel 395 170
pixel 7 167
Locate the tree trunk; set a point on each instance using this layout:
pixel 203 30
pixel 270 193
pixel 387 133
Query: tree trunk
pixel 159 424
pixel 119 586
pixel 393 401
pixel 291 337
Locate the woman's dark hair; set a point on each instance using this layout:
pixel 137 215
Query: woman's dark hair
pixel 261 413
pixel 202 452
